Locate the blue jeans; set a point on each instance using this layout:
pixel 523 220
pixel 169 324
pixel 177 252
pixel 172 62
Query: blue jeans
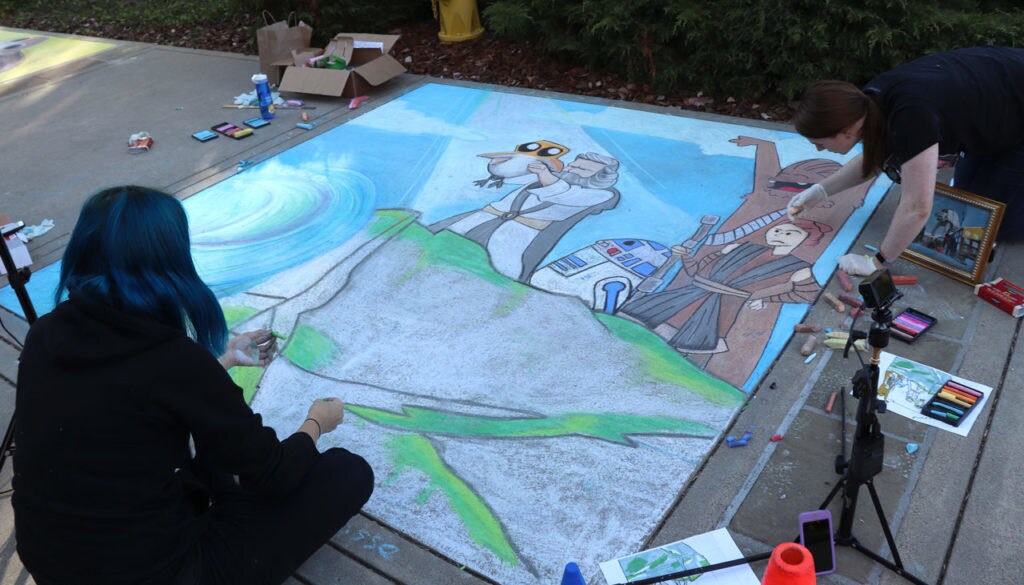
pixel 999 177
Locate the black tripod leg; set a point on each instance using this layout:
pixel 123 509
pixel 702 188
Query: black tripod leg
pixel 8 444
pixel 897 566
pixel 835 490
pixel 885 524
pixel 898 569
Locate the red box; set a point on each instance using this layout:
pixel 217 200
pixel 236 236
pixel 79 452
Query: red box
pixel 1002 293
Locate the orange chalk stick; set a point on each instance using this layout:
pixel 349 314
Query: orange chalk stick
pixel 831 402
pixel 850 300
pixel 954 399
pixel 844 280
pixel 959 394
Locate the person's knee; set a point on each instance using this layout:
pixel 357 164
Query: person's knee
pixel 362 479
pixel 351 475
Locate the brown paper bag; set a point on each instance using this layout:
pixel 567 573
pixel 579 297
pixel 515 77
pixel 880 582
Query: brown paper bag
pixel 276 40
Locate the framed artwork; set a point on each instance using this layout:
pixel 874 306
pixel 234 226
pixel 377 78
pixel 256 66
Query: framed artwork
pixel 958 237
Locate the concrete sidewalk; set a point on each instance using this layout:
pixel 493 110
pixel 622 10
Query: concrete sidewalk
pixel 953 504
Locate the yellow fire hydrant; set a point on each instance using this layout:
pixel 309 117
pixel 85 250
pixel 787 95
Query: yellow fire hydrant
pixel 460 20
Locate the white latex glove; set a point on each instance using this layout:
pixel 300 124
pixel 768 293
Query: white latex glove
pixel 252 348
pixel 857 264
pixel 813 196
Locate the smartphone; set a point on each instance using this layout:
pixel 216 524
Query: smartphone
pixel 232 131
pixel 204 135
pixel 816 535
pixel 256 122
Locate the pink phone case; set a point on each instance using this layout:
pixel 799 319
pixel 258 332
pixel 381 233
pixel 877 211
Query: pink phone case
pixel 817 536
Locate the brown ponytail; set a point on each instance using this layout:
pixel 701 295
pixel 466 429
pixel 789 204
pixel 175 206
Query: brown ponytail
pixel 830 107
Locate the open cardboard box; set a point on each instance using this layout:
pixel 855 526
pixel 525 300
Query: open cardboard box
pixel 368 59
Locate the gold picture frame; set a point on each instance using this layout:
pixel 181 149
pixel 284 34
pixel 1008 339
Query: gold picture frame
pixel 958 237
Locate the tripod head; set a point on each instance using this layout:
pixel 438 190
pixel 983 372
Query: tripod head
pixel 16 277
pixel 879 294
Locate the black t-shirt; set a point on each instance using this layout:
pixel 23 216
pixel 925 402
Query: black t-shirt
pixel 969 100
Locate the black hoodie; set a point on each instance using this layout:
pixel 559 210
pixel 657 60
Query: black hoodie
pixel 106 403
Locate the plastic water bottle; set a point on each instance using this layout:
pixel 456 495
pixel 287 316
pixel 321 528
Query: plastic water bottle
pixel 263 96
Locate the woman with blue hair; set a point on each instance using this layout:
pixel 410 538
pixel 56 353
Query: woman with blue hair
pixel 138 460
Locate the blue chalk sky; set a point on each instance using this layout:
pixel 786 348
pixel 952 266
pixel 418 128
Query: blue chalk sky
pixel 421 152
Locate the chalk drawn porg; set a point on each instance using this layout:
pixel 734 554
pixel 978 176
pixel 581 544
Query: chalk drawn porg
pixel 510 165
pixel 10 51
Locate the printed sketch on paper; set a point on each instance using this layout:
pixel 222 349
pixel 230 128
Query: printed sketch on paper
pixel 695 552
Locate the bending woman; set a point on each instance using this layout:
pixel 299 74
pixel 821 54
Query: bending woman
pixel 115 384
pixel 963 107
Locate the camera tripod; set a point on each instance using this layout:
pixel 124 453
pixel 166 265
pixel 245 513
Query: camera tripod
pixel 868 451
pixel 866 457
pixel 16 278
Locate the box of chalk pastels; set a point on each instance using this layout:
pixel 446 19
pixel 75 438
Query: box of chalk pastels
pixel 952 403
pixel 911 324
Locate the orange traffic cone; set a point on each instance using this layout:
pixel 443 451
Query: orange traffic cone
pixel 790 564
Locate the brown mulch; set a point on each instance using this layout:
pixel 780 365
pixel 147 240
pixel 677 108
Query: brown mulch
pixel 489 59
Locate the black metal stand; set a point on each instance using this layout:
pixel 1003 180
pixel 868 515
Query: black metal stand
pixel 17 279
pixel 866 457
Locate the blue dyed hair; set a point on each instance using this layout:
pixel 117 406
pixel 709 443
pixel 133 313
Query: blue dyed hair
pixel 130 250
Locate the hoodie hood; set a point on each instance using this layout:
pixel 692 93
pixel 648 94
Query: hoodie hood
pixel 80 333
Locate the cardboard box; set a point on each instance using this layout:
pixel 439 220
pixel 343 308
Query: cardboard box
pixel 370 65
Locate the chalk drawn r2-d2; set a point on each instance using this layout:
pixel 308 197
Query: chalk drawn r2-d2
pixel 603 274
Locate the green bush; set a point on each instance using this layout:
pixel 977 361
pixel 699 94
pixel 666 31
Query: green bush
pixel 329 17
pixel 752 47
